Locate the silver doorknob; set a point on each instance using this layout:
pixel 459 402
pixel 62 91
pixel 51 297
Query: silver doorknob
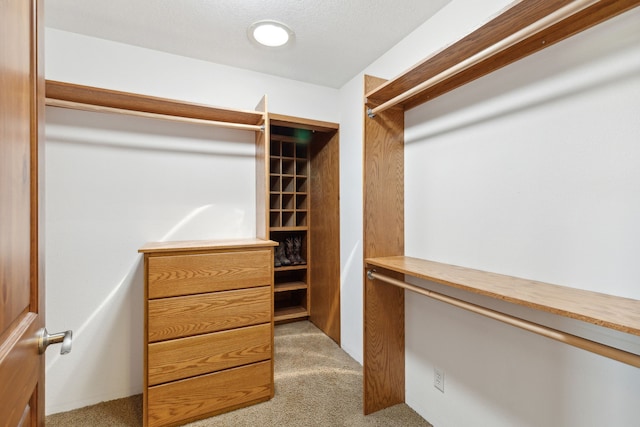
pixel 47 339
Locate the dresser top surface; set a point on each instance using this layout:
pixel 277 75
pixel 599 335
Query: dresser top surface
pixel 199 245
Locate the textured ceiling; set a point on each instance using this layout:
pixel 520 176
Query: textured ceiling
pixel 334 39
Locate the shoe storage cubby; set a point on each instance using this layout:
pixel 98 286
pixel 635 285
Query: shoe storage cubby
pixel 298 170
pixel 288 221
pixel 288 174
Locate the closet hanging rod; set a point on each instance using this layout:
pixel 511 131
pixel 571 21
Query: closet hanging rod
pixel 102 109
pixel 564 337
pixel 540 25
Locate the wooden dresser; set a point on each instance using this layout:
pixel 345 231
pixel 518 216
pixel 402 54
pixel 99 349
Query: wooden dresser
pixel 208 328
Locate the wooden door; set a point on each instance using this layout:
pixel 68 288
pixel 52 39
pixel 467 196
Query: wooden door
pixel 21 299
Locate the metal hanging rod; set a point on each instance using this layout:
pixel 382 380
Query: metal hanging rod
pixel 102 109
pixel 540 25
pixel 564 337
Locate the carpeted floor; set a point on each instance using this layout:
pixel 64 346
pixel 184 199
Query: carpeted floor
pixel 317 384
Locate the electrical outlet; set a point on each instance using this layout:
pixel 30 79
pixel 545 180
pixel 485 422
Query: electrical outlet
pixel 438 379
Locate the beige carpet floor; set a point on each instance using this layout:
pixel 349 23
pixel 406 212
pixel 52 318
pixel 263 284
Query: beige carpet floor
pixel 317 384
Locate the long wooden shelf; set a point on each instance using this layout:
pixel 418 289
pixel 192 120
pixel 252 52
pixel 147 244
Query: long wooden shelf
pixel 511 20
pixel 622 314
pixel 71 94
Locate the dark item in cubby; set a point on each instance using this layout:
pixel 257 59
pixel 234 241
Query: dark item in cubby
pixel 297 249
pixel 280 258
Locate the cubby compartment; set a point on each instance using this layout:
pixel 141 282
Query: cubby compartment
pixel 288 201
pixel 275 167
pixel 288 218
pixel 290 280
pixel 275 184
pixel 275 201
pixel 302 151
pixel 288 167
pixel 288 150
pixel 288 184
pixel 301 218
pixel 275 219
pixel 301 201
pixel 289 306
pixel 275 149
pixel 302 167
pixel 296 196
pixel 301 184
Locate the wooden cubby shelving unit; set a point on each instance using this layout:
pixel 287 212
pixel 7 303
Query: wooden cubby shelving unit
pixel 383 237
pixel 288 182
pixel 288 214
pixel 298 168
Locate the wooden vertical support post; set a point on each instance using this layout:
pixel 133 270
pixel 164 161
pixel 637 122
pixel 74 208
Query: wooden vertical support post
pixel 383 173
pixel 262 173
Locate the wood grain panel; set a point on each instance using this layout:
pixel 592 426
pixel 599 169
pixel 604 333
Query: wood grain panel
pixel 15 152
pixel 202 354
pixel 21 254
pixel 324 220
pixel 149 104
pixel 178 317
pixel 187 400
pixel 383 234
pixel 622 314
pixel 19 368
pixel 192 274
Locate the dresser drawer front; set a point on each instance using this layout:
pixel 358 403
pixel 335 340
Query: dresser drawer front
pixel 193 274
pixel 206 395
pixel 178 317
pixel 187 357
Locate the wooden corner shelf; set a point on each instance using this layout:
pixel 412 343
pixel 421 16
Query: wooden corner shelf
pixel 621 314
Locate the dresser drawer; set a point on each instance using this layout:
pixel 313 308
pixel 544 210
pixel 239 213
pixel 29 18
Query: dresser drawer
pixel 182 401
pixel 178 317
pixel 193 274
pixel 187 357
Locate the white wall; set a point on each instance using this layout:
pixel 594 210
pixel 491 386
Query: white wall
pixel 115 182
pixel 532 171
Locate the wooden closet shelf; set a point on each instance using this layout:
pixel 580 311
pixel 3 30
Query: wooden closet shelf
pixel 513 19
pixel 99 97
pixel 289 313
pixel 622 314
pixel 292 267
pixel 301 228
pixel 289 286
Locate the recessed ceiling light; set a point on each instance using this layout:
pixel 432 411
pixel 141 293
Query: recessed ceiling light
pixel 270 33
